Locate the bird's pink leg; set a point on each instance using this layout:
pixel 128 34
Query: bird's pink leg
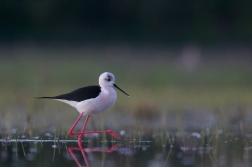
pixel 83 128
pixel 112 133
pixel 70 132
pixel 85 124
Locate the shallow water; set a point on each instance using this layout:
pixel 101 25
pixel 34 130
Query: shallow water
pixel 149 138
pixel 139 149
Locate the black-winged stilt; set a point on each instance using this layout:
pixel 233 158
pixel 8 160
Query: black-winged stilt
pixel 91 100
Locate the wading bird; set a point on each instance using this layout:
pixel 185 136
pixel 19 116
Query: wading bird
pixel 91 100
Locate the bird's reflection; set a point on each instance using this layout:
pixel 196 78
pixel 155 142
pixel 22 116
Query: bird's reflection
pixel 85 149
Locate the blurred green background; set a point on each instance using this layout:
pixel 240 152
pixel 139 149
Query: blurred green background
pixel 170 56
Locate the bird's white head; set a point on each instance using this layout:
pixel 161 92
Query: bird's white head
pixel 106 79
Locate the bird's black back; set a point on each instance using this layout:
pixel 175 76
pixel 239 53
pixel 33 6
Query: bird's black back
pixel 80 94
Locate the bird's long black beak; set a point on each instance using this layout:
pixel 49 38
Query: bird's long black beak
pixel 120 89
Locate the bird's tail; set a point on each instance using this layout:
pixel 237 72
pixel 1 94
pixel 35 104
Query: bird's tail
pixel 44 97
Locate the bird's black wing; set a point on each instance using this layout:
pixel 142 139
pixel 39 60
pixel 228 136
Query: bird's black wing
pixel 80 94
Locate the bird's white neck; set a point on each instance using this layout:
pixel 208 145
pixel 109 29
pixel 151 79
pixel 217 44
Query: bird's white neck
pixel 108 90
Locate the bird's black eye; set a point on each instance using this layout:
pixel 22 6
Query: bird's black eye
pixel 109 79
